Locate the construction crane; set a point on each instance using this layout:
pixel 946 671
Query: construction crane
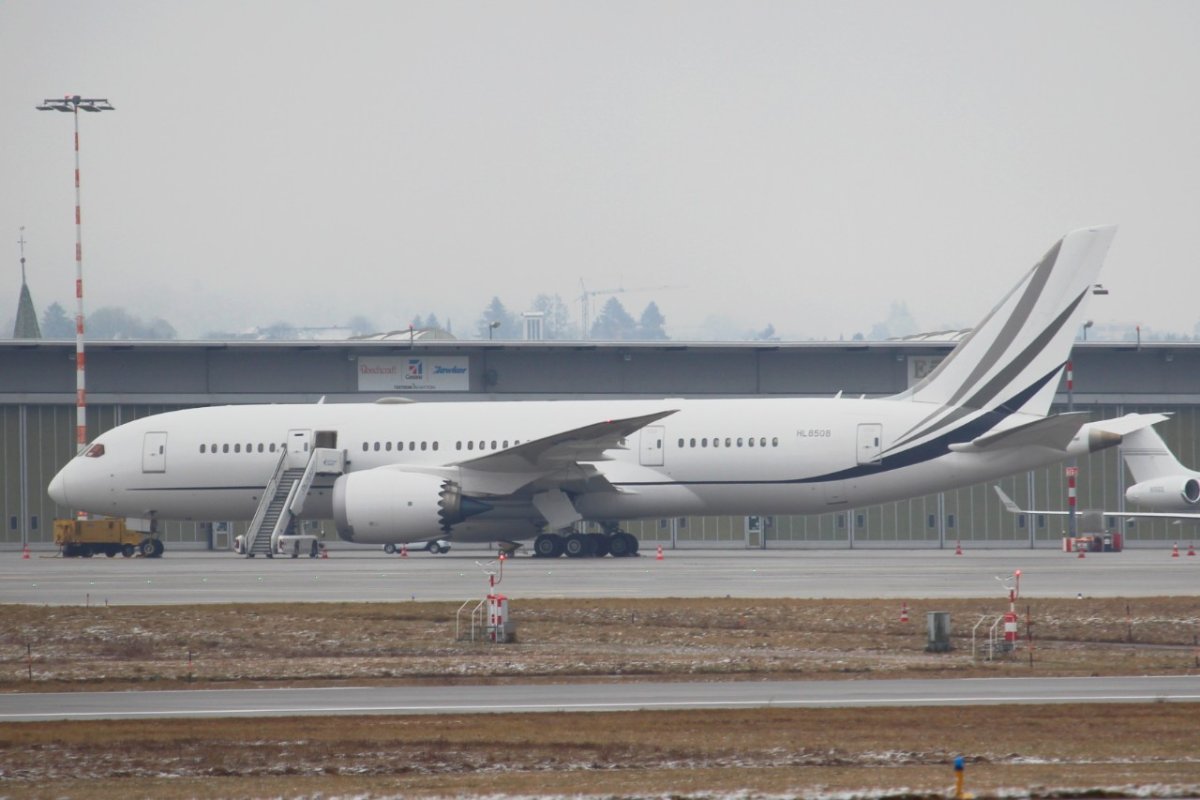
pixel 585 300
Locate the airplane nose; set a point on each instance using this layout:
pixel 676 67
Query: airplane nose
pixel 58 488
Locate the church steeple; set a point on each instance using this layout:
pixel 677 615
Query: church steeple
pixel 27 322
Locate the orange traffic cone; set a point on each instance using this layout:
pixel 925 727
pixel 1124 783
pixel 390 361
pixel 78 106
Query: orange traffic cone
pixel 1191 549
pixel 25 552
pixel 404 551
pixel 958 549
pixel 659 557
pixel 904 611
pixel 1175 550
pixel 1082 551
pixel 324 551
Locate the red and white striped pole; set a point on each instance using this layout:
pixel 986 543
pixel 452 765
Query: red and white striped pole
pixel 80 362
pixel 1072 470
pixel 72 104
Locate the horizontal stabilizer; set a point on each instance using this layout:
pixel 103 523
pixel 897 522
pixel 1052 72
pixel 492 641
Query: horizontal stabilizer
pixel 1054 432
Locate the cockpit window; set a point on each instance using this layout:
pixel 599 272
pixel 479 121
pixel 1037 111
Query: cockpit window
pixel 95 451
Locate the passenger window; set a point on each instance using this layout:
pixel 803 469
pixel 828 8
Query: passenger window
pixel 273 446
pixel 214 447
pixel 704 442
pixel 471 445
pixel 201 448
pixel 366 447
pixel 422 445
pixel 224 448
pixel 739 441
pixel 692 443
pixel 377 447
pixel 237 448
pixel 493 444
pixel 751 442
pixel 260 447
pixel 435 446
pixel 775 441
pixel 388 447
pixel 412 445
pixel 458 445
pixel 727 441
pixel 399 445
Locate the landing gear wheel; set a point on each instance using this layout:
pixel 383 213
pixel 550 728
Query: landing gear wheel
pixel 578 545
pixel 127 551
pixel 548 545
pixel 146 548
pixel 621 545
pixel 599 544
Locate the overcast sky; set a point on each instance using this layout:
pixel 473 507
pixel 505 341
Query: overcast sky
pixel 799 163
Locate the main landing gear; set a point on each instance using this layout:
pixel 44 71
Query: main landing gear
pixel 612 542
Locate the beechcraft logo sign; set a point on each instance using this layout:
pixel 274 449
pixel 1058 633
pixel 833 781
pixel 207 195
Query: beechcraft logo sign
pixel 409 374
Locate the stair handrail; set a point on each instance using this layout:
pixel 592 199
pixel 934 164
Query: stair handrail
pixel 267 496
pixel 306 481
pixel 285 516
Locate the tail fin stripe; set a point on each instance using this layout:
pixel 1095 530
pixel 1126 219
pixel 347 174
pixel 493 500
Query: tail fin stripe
pixel 1014 324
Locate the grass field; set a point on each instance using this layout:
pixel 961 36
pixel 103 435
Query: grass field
pixel 1064 750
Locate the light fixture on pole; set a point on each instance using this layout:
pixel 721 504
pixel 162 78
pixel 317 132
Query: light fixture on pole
pixel 72 104
pixel 492 328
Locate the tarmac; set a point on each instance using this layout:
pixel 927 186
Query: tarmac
pixel 361 575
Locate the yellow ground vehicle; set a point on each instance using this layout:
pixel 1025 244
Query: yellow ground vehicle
pixel 89 537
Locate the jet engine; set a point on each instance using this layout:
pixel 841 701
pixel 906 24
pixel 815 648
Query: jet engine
pixel 1166 494
pixel 379 506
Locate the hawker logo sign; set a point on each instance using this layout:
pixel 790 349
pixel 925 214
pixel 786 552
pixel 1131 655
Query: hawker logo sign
pixel 413 374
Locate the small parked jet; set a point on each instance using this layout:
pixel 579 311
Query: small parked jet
pixel 1162 482
pixel 390 472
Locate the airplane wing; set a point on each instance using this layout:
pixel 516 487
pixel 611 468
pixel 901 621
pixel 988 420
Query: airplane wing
pixel 561 457
pixel 1011 507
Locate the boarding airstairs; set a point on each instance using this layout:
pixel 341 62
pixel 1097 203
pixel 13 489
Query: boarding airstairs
pixel 272 528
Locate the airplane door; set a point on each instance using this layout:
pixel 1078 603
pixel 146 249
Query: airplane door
pixel 298 443
pixel 653 437
pixel 154 452
pixel 870 443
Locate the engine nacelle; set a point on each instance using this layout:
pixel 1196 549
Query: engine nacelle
pixel 378 506
pixel 1172 493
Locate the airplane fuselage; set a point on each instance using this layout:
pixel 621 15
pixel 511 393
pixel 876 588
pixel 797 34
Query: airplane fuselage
pixel 710 457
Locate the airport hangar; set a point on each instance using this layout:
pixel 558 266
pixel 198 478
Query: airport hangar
pixel 127 380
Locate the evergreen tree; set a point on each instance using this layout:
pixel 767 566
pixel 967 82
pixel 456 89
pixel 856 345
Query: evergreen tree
pixel 613 323
pixel 650 326
pixel 56 324
pixel 507 326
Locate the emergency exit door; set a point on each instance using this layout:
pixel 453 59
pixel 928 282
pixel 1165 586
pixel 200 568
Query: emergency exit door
pixel 870 443
pixel 652 445
pixel 154 452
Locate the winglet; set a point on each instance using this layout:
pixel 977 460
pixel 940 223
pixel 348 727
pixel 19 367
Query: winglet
pixel 1009 506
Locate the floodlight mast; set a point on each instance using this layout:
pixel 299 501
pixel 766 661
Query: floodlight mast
pixel 72 104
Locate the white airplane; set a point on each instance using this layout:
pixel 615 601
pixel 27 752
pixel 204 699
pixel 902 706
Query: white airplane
pixel 395 471
pixel 1162 482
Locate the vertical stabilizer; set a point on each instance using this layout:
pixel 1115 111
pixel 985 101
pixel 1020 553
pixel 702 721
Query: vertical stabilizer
pixel 1020 346
pixel 1148 456
pixel 1011 361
